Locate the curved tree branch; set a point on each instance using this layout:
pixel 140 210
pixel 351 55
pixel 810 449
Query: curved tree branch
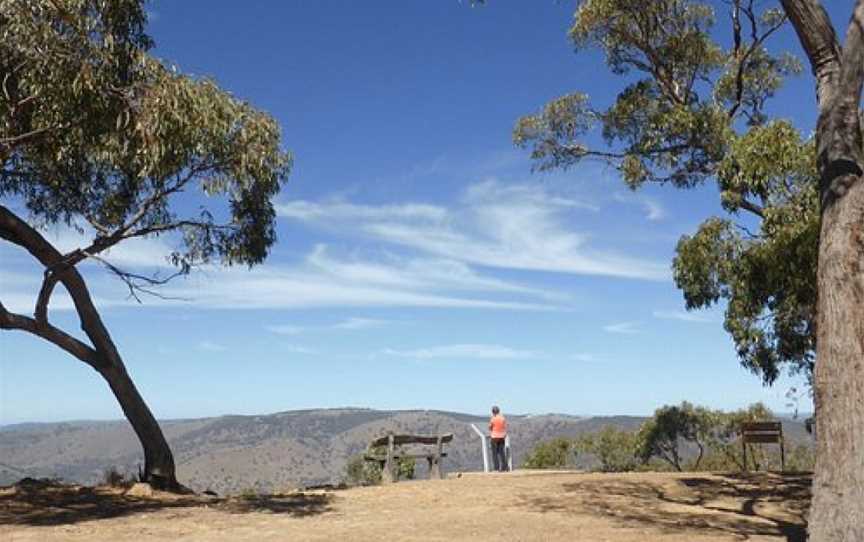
pixel 17 231
pixel 10 320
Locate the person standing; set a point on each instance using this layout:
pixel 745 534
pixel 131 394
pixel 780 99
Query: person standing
pixel 498 432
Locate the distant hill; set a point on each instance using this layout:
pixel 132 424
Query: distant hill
pixel 270 452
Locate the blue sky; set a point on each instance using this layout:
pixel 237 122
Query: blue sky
pixel 420 263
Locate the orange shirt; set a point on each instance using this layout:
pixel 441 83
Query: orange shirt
pixel 498 426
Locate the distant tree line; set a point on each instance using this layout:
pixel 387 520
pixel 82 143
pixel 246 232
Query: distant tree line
pixel 676 438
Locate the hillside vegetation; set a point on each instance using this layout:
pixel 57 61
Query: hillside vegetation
pixel 230 454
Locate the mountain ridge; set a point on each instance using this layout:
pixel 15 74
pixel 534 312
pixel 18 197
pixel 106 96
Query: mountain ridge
pixel 271 452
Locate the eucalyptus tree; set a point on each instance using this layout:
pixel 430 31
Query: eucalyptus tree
pixel 788 256
pixel 99 135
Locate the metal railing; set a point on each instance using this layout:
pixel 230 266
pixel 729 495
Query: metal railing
pixel 486 446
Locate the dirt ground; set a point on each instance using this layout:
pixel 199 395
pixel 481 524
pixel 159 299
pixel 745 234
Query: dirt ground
pixel 526 505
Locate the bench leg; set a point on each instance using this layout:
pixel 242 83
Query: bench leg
pixel 435 468
pixel 387 473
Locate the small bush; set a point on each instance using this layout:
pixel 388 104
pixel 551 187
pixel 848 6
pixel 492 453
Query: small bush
pixel 616 450
pixel 558 453
pixel 112 477
pixel 405 468
pixel 249 494
pixel 360 472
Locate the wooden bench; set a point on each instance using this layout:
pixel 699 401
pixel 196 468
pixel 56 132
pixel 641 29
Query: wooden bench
pixel 388 460
pixel 763 433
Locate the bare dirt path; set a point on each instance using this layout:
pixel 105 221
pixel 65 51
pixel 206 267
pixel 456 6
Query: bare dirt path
pixel 643 507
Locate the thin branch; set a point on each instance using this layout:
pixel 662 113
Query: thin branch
pixel 162 228
pixel 142 283
pixel 755 44
pixel 747 232
pixel 752 207
pixel 49 281
pixel 12 141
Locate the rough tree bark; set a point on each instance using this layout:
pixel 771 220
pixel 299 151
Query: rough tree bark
pixel 837 511
pixel 102 356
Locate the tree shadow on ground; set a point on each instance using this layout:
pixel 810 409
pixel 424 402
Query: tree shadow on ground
pixel 56 504
pixel 741 505
pixel 295 504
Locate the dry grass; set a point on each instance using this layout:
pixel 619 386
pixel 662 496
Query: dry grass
pixel 642 507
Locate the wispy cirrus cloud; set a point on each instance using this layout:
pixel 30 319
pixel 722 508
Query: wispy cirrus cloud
pixel 285 329
pixel 654 210
pixel 322 278
pixel 683 316
pixel 350 324
pixel 623 328
pixel 345 283
pixel 521 226
pixel 464 351
pixel 361 323
pixel 584 357
pixel 210 346
pixel 297 349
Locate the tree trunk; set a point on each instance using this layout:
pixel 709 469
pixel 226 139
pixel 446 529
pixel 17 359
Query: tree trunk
pixel 837 512
pixel 102 355
pixel 158 459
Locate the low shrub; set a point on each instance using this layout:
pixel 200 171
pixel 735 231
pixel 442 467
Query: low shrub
pixel 558 453
pixel 112 477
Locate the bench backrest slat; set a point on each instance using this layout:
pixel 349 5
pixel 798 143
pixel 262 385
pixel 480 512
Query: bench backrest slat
pixel 761 438
pixel 761 432
pixel 761 427
pixel 412 439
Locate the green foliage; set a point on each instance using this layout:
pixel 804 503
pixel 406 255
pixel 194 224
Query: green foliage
pixel 249 494
pixel 695 112
pixel 681 437
pixel 558 453
pixel 614 449
pixel 726 426
pixel 715 436
pixel 768 280
pixel 360 472
pixel 96 132
pixel 661 435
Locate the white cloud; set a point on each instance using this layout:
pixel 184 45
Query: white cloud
pixel 584 357
pixel 624 328
pixel 360 323
pixel 340 210
pixel 347 324
pixel 287 287
pixel 322 279
pixel 416 273
pixel 286 329
pixel 209 346
pixel 654 211
pixel 464 351
pixel 684 316
pixel 495 225
pixel 296 349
